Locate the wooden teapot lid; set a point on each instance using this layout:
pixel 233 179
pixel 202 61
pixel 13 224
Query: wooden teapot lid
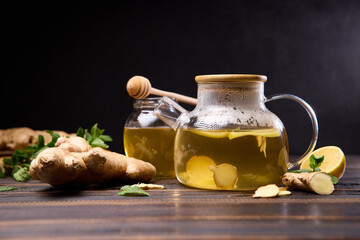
pixel 230 78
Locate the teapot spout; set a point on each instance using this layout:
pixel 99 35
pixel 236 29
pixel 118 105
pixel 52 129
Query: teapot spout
pixel 169 112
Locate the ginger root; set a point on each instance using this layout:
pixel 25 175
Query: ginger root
pixel 317 182
pixel 74 162
pixel 19 138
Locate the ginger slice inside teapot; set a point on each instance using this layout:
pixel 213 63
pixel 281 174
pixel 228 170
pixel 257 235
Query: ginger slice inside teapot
pixel 198 172
pixel 198 167
pixel 225 176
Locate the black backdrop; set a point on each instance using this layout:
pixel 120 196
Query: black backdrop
pixel 66 64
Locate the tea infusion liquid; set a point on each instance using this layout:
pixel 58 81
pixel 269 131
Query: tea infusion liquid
pixel 258 155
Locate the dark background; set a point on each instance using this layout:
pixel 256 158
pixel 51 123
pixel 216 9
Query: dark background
pixel 66 64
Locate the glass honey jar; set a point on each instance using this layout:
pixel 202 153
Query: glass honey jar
pixel 148 138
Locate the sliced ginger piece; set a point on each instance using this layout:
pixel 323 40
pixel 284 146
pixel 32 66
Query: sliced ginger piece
pixel 225 175
pixel 146 186
pixel 198 168
pixel 263 146
pixel 284 193
pixel 270 190
pixel 261 143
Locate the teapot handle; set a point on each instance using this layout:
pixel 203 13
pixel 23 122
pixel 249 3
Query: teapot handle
pixel 314 123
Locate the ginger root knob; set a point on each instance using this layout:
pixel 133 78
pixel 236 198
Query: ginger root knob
pixel 317 182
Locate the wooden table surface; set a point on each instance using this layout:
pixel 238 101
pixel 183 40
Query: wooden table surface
pixel 38 211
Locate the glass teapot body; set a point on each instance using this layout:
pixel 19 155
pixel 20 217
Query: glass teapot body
pixel 230 141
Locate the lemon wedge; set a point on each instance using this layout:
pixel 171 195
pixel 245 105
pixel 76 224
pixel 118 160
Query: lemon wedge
pixel 334 161
pixel 212 134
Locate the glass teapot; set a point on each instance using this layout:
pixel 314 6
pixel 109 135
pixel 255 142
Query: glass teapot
pixel 231 141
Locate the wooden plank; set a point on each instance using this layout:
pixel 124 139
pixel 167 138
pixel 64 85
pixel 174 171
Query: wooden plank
pixel 37 210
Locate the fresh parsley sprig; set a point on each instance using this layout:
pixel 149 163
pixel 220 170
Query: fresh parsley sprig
pixel 315 162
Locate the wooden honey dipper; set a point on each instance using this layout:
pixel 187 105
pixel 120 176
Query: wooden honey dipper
pixel 139 87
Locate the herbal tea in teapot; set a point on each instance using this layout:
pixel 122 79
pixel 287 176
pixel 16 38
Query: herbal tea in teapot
pixel 258 156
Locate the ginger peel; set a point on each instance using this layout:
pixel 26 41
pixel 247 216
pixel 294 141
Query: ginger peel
pixel 74 162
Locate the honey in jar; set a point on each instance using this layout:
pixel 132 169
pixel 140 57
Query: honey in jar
pixel 148 138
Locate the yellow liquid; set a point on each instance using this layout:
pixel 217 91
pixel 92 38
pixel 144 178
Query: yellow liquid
pixel 259 156
pixel 153 145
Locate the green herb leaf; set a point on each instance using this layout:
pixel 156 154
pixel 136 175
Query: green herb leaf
pixel 315 162
pixel 50 132
pixel 334 179
pixel 7 188
pixel 8 161
pixel 41 147
pixel 132 191
pixel 41 141
pixel 2 172
pixel 14 170
pixel 97 142
pixel 106 138
pixel 20 156
pixel 80 132
pixel 88 136
pixel 54 139
pixel 95 131
pixel 22 175
pixel 95 137
pixel 25 165
pixel 39 151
